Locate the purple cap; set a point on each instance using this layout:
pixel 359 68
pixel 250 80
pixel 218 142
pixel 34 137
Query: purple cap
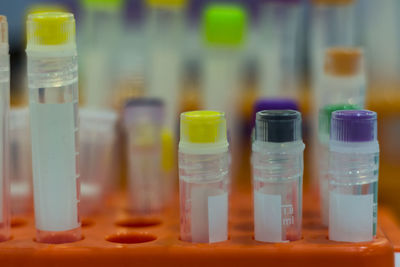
pixel 138 110
pixel 354 126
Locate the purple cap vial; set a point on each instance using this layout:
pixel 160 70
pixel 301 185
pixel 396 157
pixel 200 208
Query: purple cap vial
pixel 354 126
pixel 138 110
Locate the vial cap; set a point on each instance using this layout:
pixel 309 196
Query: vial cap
pixel 278 126
pixel 41 8
pixel 224 25
pixel 325 114
pixel 50 29
pixel 3 31
pixel 203 127
pixel 354 126
pixel 104 5
pixel 273 104
pixel 144 110
pixel 341 61
pixel 167 3
pixel 333 2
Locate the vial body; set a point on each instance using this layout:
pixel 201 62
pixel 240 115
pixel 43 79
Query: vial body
pixel 323 171
pixel 53 102
pixel 353 193
pixel 4 145
pixel 203 187
pixel 277 187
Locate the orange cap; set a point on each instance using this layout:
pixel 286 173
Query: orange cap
pixel 333 2
pixel 343 61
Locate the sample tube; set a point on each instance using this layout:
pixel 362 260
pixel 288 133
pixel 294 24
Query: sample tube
pixel 164 31
pixel 203 177
pixel 332 24
pixel 53 105
pixel 20 161
pixel 4 145
pixel 97 135
pixel 143 120
pixel 353 183
pixel 324 128
pixel 280 25
pixel 278 176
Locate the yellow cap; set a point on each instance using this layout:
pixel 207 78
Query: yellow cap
pixel 167 3
pixel 41 8
pixel 167 153
pixel 50 29
pixel 203 128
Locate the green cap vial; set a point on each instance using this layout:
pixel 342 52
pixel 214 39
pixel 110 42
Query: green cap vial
pixel 104 5
pixel 224 25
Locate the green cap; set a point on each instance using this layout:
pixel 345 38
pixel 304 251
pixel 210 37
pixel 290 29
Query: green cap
pixel 104 5
pixel 224 24
pixel 324 120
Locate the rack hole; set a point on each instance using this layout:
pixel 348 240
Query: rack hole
pixel 130 238
pixel 138 222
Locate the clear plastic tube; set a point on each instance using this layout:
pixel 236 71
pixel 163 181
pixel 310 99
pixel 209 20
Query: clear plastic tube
pixel 280 22
pixel 4 145
pixel 353 183
pixel 203 177
pixel 278 176
pixel 53 104
pixel 20 162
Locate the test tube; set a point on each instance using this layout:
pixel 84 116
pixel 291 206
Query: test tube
pixel 143 120
pixel 53 105
pixel 97 135
pixel 353 183
pixel 277 176
pixel 280 25
pixel 203 177
pixel 4 145
pixel 164 30
pixel 324 128
pixel 20 161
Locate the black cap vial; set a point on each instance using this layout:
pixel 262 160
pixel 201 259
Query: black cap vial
pixel 278 126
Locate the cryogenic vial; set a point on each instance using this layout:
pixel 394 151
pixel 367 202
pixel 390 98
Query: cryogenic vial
pixel 280 26
pixel 324 128
pixel 4 145
pixel 203 177
pixel 20 162
pixel 53 105
pixel 143 121
pixel 277 176
pixel 353 176
pixel 97 135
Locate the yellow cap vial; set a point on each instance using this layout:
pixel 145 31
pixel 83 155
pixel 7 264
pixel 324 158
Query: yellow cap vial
pixel 50 29
pixel 203 128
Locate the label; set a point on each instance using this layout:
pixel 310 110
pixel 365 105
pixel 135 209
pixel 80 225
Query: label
pixel 268 217
pixel 351 217
pixel 209 215
pixel 54 166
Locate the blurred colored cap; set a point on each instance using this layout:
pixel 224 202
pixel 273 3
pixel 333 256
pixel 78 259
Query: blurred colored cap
pixel 203 127
pixel 104 5
pixel 343 61
pixel 144 110
pixel 283 1
pixel 51 29
pixel 273 104
pixel 224 24
pixel 354 126
pixel 325 114
pixel 278 126
pixel 333 2
pixel 41 8
pixel 3 31
pixel 167 152
pixel 167 3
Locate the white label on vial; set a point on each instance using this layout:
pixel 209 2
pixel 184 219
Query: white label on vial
pixel 267 217
pixel 54 166
pixel 350 217
pixel 209 215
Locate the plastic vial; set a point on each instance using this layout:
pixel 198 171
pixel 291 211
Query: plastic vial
pixel 353 180
pixel 277 176
pixel 164 33
pixel 97 135
pixel 53 104
pixel 324 128
pixel 143 120
pixel 280 26
pixel 203 177
pixel 4 145
pixel 20 162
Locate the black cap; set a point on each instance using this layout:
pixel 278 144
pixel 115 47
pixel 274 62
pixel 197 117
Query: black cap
pixel 278 126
